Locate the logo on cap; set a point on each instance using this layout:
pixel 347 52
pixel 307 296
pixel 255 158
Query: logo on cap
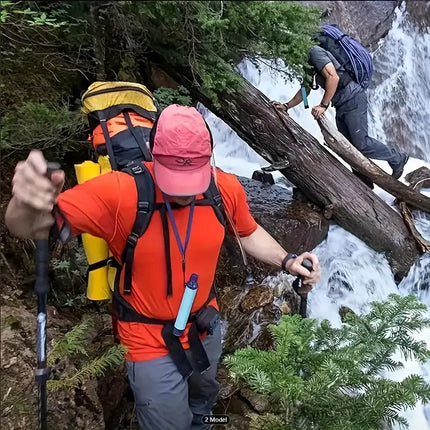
pixel 184 161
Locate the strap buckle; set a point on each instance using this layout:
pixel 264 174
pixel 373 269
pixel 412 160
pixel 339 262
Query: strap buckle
pixel 143 207
pixel 132 240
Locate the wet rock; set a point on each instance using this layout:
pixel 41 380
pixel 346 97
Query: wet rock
pixel 259 402
pixel 420 176
pixel 257 297
pixel 349 15
pixel 419 13
pixel 343 311
pixel 289 221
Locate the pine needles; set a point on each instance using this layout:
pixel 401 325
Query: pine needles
pixel 324 378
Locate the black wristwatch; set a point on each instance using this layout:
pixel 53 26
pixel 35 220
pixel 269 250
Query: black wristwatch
pixel 289 256
pixel 324 106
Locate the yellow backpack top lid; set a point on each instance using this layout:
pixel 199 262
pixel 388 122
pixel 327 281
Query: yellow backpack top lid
pixel 113 110
pixel 105 100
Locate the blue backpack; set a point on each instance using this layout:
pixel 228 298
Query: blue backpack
pixel 350 53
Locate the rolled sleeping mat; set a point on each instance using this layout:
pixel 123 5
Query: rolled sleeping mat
pixel 105 167
pixel 96 249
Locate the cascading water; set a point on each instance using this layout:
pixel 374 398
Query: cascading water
pixel 354 275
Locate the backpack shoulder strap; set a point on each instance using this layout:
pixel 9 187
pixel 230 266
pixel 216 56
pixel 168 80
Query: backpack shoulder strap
pixel 145 209
pixel 212 197
pixel 142 145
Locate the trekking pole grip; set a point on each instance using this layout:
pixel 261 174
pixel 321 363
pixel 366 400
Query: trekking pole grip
pixel 42 264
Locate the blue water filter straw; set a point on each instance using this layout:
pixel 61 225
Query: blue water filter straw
pixel 186 305
pixel 305 98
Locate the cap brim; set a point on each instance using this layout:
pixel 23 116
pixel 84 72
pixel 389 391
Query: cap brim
pixel 182 183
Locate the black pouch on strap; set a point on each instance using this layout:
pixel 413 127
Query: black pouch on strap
pixel 177 353
pixel 207 319
pixel 200 358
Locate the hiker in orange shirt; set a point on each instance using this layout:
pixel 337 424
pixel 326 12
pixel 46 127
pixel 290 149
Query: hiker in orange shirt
pixel 171 369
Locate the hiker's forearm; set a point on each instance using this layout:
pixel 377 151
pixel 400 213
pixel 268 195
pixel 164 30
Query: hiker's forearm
pixel 26 222
pixel 296 100
pixel 263 247
pixel 330 89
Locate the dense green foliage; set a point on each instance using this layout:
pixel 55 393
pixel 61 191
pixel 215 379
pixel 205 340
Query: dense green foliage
pixel 167 96
pixel 324 378
pixel 212 37
pixel 38 125
pixel 52 50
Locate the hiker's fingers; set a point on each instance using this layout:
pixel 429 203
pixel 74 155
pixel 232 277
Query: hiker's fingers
pixel 318 111
pixel 31 187
pixel 57 180
pixel 312 276
pixel 279 106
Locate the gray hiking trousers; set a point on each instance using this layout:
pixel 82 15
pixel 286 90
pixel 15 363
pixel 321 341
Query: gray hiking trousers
pixel 351 121
pixel 167 401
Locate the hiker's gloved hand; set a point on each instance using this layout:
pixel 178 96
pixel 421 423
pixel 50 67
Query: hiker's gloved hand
pixel 34 193
pixel 318 111
pixel 294 266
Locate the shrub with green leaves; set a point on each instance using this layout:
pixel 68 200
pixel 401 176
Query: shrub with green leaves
pixel 38 125
pixel 211 37
pixel 324 378
pixel 168 96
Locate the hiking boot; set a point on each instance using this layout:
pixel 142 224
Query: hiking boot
pixel 398 171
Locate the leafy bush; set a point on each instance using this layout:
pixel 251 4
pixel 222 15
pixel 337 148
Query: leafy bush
pixel 167 96
pixel 37 125
pixel 324 378
pixel 210 38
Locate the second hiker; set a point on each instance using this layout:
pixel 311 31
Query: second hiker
pixel 350 101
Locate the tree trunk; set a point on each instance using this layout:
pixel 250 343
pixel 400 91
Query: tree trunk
pixel 98 29
pixel 339 144
pixel 316 172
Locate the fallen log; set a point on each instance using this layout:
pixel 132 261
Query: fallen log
pixel 342 147
pixel 312 168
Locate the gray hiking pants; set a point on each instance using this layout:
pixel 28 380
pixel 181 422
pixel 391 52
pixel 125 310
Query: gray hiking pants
pixel 351 121
pixel 167 401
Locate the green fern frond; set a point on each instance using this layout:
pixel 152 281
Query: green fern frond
pixel 112 358
pixel 74 342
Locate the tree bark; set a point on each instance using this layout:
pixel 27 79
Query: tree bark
pixel 308 165
pixel 339 144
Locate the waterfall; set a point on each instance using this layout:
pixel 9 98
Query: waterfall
pixel 354 275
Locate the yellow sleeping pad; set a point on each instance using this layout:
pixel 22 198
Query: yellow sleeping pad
pixel 96 249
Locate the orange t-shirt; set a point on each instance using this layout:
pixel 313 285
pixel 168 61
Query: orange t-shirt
pixel 106 207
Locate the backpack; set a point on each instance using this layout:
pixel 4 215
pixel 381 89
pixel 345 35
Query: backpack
pixel 120 116
pixel 352 56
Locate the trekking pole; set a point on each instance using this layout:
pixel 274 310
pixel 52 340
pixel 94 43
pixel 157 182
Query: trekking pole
pixel 297 285
pixel 41 290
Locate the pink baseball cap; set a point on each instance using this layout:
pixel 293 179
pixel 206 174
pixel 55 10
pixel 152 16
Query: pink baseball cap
pixel 182 150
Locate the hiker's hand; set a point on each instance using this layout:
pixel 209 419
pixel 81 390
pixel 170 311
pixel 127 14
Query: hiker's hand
pixel 318 111
pixel 33 196
pixel 279 106
pixel 294 266
pixel 32 187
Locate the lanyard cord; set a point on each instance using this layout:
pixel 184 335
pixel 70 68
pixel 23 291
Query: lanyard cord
pixel 182 247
